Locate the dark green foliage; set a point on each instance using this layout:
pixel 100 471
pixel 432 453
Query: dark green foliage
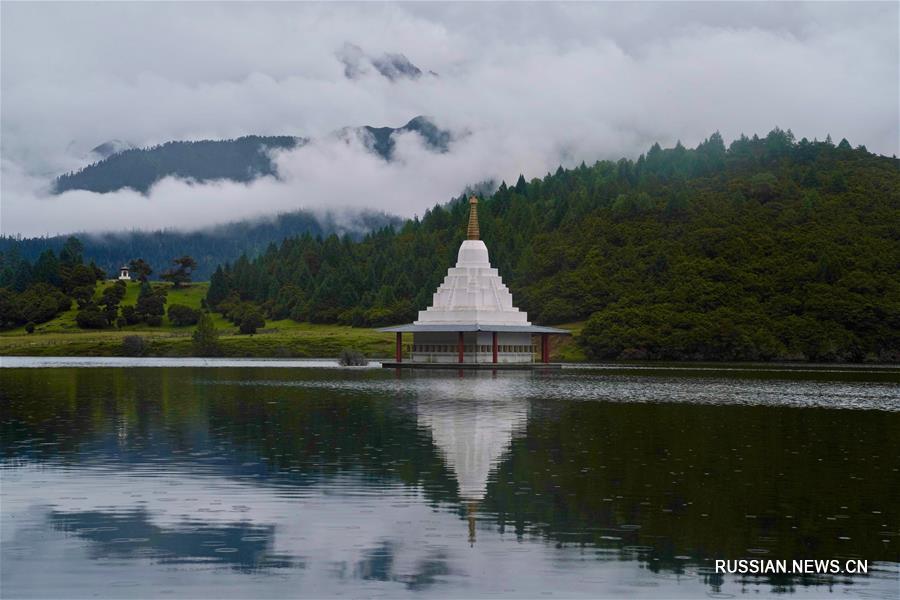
pixel 133 345
pixel 350 357
pixel 140 269
pixel 91 317
pixel 153 320
pixel 130 315
pixel 770 249
pixel 9 310
pixel 206 337
pixel 83 295
pixel 181 316
pixel 36 293
pixel 211 247
pixel 47 269
pixel 181 274
pixel 39 304
pixel 71 253
pixel 251 320
pixel 29 327
pixel 112 295
pixel 152 304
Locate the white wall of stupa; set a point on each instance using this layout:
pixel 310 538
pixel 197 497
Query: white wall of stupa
pixel 472 292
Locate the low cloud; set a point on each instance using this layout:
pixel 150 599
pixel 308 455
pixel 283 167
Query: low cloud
pixel 534 86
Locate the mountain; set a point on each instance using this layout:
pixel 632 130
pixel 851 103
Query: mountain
pixel 770 249
pixel 107 149
pixel 243 159
pixel 391 66
pixel 381 139
pixel 210 247
pixel 396 66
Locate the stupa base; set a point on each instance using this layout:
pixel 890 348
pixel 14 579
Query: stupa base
pixel 472 366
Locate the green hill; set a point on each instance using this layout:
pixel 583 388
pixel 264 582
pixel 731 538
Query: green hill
pixel 770 249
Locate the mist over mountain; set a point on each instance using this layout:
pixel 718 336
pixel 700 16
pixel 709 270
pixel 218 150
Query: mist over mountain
pixel 210 247
pixel 108 148
pixel 390 65
pixel 533 86
pixel 243 159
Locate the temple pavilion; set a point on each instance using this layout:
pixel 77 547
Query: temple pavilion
pixel 472 321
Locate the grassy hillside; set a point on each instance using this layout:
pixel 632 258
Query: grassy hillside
pixel 283 338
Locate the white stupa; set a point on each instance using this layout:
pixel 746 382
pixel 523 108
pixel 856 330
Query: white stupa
pixel 472 319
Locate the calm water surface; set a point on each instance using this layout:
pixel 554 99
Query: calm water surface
pixel 257 479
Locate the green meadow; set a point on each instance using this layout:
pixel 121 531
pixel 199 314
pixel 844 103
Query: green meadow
pixel 62 336
pixel 278 339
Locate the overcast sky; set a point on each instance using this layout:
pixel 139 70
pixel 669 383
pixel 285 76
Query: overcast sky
pixel 534 85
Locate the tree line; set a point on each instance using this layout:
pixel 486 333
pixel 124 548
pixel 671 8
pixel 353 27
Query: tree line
pixel 210 247
pixel 768 249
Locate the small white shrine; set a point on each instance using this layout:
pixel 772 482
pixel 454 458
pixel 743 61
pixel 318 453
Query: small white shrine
pixel 472 319
pixel 124 275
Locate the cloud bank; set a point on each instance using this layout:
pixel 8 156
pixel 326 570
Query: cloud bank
pixel 535 86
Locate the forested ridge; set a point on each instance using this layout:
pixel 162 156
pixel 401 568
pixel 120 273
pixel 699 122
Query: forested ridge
pixel 210 247
pixel 769 249
pixel 242 159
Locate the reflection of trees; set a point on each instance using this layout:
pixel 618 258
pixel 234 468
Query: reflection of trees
pixel 667 481
pixel 131 534
pixel 648 481
pixel 379 564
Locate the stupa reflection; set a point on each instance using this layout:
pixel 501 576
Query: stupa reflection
pixel 472 425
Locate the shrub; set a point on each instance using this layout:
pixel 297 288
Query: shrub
pixel 181 315
pixel 151 305
pixel 133 345
pixel 251 320
pixel 351 357
pixel 206 338
pixel 91 317
pixel 153 320
pixel 130 315
pixel 121 322
pixel 83 295
pixel 29 327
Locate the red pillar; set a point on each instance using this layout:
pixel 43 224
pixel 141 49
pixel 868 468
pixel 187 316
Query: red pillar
pixel 460 347
pixel 545 347
pixel 494 344
pixel 399 347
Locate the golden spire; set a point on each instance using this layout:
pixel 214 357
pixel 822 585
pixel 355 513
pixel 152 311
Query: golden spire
pixel 471 509
pixel 472 232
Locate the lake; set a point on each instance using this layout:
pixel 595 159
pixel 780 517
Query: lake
pixel 214 479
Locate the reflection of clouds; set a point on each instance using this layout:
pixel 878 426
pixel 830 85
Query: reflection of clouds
pixel 472 422
pixel 345 536
pixel 343 529
pixel 131 534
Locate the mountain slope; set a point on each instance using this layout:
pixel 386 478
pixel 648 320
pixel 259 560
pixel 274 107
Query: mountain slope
pixel 243 159
pixel 770 249
pixel 209 247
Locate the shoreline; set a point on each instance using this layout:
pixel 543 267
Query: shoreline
pixel 31 361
